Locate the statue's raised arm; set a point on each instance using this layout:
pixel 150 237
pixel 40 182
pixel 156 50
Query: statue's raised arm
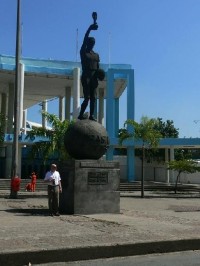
pixel 85 40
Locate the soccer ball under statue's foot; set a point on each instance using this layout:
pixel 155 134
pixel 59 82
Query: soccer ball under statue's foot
pixel 86 139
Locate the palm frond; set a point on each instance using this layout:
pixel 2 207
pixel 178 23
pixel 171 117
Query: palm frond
pixel 55 145
pixel 142 131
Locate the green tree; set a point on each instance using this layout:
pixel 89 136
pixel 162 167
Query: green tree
pixel 55 145
pixel 166 129
pixel 183 166
pixel 144 131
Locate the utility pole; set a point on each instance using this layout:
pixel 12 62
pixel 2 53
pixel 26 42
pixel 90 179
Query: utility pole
pixel 15 149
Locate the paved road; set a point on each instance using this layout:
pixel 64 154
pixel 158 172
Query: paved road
pixel 155 224
pixel 189 258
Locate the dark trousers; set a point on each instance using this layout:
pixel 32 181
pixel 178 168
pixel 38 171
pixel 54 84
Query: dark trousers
pixel 53 199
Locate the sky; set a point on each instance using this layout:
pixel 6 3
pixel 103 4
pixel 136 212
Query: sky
pixel 160 39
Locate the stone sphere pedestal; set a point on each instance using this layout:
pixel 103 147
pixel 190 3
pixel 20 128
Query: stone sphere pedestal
pixel 86 139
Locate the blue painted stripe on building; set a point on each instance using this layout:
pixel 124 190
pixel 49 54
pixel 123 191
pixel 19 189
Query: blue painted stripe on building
pixel 23 139
pixel 57 66
pixel 7 67
pixel 164 142
pixel 45 70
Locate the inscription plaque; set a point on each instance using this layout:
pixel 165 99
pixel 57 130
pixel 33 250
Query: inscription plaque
pixel 97 178
pixel 97 164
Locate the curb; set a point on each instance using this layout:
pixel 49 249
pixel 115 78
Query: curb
pixel 97 252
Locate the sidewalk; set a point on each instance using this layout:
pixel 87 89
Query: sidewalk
pixel 158 223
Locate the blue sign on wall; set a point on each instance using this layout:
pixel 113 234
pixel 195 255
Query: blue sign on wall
pixel 24 139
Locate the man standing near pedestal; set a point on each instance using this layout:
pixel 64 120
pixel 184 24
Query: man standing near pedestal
pixel 90 65
pixel 54 187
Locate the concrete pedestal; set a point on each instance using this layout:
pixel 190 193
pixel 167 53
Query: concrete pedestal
pixel 90 186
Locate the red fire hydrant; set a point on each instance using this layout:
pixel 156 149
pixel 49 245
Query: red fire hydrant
pixel 15 185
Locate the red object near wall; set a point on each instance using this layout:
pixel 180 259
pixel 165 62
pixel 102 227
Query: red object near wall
pixel 15 183
pixel 28 187
pixel 33 181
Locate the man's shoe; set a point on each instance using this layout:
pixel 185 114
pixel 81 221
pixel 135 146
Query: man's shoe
pixel 81 117
pixel 57 214
pixel 51 214
pixel 92 118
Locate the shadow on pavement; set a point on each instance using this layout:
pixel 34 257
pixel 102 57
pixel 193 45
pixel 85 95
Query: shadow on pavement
pixel 30 211
pixel 20 197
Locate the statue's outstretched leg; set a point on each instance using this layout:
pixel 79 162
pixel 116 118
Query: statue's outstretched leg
pixel 83 107
pixel 92 106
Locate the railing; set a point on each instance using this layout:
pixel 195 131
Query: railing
pixel 158 186
pixel 124 186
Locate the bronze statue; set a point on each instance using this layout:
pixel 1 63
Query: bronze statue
pixel 90 71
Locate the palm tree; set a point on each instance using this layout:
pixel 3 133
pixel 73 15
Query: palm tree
pixel 144 131
pixel 55 138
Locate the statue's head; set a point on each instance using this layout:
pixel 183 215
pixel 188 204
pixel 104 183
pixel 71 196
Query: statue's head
pixel 90 43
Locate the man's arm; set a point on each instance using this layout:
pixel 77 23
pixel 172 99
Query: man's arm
pixel 91 27
pixel 60 185
pixel 48 178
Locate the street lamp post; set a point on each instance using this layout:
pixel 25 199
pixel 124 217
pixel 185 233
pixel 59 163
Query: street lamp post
pixel 15 150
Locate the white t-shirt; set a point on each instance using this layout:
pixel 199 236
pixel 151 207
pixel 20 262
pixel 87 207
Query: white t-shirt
pixel 53 178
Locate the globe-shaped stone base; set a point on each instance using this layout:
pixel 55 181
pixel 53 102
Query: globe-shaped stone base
pixel 86 139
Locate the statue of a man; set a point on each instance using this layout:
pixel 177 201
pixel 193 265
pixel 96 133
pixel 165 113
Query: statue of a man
pixel 90 65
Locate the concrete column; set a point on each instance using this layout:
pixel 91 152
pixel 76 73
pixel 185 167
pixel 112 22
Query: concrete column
pixel 21 95
pixel 101 107
pixel 24 120
pixel 44 108
pixel 172 179
pixel 130 95
pixel 166 161
pixel 110 115
pixel 67 103
pixel 61 108
pixel 19 160
pixel 9 130
pixel 4 103
pixel 110 118
pixel 109 153
pixel 116 116
pixel 130 115
pixel 76 92
pixel 131 164
pixel 10 108
pixel 8 161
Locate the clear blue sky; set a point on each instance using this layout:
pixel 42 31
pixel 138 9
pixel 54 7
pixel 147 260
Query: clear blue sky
pixel 159 38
